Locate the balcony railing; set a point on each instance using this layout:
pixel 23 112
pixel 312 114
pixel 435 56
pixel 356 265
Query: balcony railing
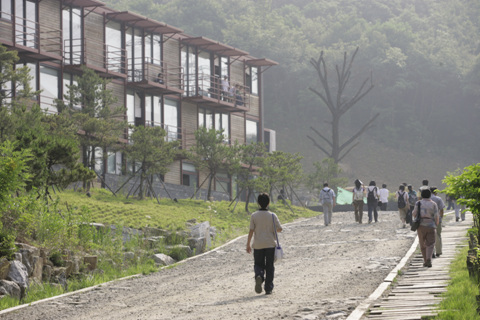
pixel 210 88
pixel 155 71
pixel 26 34
pixel 174 133
pixel 82 52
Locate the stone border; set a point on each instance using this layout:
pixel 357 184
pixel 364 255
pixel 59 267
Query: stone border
pixel 359 311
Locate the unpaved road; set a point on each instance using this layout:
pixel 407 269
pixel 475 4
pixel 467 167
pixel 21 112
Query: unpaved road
pixel 327 272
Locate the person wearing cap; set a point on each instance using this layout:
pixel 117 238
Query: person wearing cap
pixel 438 237
pixel 427 209
pixel 357 200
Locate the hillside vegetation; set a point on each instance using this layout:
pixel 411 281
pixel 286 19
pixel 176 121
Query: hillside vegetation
pixel 423 56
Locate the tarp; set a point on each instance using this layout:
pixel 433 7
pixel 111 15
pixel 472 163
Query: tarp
pixel 345 196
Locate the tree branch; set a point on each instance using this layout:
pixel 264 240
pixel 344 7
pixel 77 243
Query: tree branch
pixel 321 136
pixel 319 146
pixel 343 156
pixel 360 132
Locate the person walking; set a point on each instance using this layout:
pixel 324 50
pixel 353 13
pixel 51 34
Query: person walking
pixel 403 205
pixel 327 199
pixel 428 213
pixel 423 187
pixel 412 199
pixel 438 237
pixel 357 200
pixel 372 201
pixel 262 226
pixel 383 197
pixel 449 200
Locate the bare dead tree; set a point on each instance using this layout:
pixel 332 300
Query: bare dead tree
pixel 338 105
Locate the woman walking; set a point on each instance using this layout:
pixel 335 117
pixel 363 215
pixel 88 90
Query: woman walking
pixel 357 199
pixel 263 224
pixel 428 211
pixel 372 201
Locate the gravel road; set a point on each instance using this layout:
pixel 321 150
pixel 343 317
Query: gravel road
pixel 327 272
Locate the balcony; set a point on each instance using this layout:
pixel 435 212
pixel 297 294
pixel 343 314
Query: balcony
pixel 108 61
pixel 207 91
pixel 155 76
pixel 30 38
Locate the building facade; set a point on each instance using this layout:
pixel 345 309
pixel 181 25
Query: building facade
pixel 162 76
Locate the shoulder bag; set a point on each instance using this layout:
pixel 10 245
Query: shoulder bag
pixel 416 223
pixel 278 248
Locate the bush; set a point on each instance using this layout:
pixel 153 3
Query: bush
pixel 7 245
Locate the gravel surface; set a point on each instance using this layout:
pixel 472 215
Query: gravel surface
pixel 327 272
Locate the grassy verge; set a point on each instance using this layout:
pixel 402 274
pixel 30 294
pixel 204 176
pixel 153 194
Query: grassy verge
pixel 460 302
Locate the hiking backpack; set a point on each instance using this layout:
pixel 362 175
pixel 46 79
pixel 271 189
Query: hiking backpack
pixel 371 195
pixel 412 198
pixel 326 196
pixel 401 200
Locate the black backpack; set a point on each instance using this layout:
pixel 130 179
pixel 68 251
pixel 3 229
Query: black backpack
pixel 371 195
pixel 401 200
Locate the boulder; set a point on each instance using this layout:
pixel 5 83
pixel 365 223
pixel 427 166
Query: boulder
pixel 163 259
pixel 47 273
pixel 59 275
pixel 37 268
pixel 179 251
pixel 202 230
pixel 28 253
pixel 4 267
pixel 18 274
pixel 10 288
pixel 198 245
pixel 90 262
pixel 69 268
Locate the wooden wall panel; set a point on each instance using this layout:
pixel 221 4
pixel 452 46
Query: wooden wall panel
pixel 254 106
pixel 173 174
pixel 189 123
pixel 237 124
pixel 6 31
pixel 94 37
pixel 50 18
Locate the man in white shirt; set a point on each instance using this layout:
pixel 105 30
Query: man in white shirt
pixel 383 197
pixel 327 199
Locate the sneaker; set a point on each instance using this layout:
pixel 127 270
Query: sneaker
pixel 438 255
pixel 404 226
pixel 429 263
pixel 369 221
pixel 258 284
pixel 268 292
pixel 456 219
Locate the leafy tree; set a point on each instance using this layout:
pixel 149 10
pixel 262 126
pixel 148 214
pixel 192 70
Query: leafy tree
pixel 326 171
pixel 465 184
pixel 99 122
pixel 338 103
pixel 211 153
pixel 148 148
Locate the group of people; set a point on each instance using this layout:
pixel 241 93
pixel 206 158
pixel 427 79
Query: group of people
pixel 231 93
pixel 412 205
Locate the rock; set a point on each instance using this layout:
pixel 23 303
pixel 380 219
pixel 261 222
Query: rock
pixel 152 232
pixel 4 267
pixel 10 288
pixel 59 275
pixel 163 259
pixel 18 256
pixel 90 262
pixel 198 245
pixel 202 230
pixel 37 268
pixel 69 268
pixel 47 273
pixel 179 251
pixel 18 274
pixel 129 256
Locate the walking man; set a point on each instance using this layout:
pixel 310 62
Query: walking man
pixel 383 197
pixel 327 199
pixel 403 205
pixel 441 206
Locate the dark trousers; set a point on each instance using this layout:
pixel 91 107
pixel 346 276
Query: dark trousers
pixel 264 266
pixel 372 207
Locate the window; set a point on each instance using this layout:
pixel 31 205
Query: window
pixel 26 24
pixel 32 71
pixel 113 39
pixel 131 107
pixel 205 118
pixel 72 35
pixel 68 80
pixel 114 163
pixel 221 123
pixel 153 49
pixel 171 119
pixel 153 110
pixel 251 132
pixel 189 175
pixel 6 9
pixel 49 86
pixel 222 183
pixel 254 84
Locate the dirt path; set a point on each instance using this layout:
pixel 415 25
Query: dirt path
pixel 326 273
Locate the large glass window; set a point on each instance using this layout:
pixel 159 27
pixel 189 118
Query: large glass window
pixel 157 110
pixel 222 123
pixel 171 119
pixel 113 36
pixel 254 84
pixel 72 35
pixel 189 65
pixel 49 86
pixel 32 72
pixel 131 107
pixel 251 131
pixel 26 25
pixel 189 175
pixel 68 80
pixel 6 9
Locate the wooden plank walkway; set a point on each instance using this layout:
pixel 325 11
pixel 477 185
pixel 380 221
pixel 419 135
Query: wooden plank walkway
pixel 418 292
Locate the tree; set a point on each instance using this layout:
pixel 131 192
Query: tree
pixel 99 122
pixel 211 153
pixel 149 148
pixel 326 171
pixel 338 104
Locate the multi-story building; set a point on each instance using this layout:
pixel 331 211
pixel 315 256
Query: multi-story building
pixel 163 76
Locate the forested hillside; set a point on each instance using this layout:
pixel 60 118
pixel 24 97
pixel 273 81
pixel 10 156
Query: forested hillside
pixel 423 56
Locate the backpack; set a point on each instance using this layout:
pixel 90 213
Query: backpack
pixel 401 200
pixel 326 196
pixel 371 195
pixel 412 198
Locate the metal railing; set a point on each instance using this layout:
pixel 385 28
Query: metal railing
pixel 211 87
pixel 80 51
pixel 155 70
pixel 33 35
pixel 173 133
